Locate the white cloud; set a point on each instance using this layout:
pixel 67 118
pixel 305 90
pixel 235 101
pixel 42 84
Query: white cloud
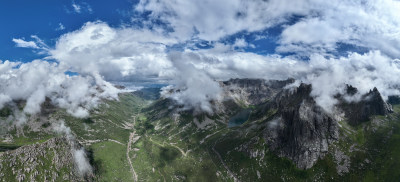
pixel 76 7
pixel 320 26
pixel 196 87
pixel 78 152
pixel 4 99
pixel 116 54
pixel 327 75
pixel 82 161
pixel 131 54
pixel 371 24
pixel 99 52
pixel 37 80
pixel 80 7
pixel 60 27
pixel 212 20
pixel 25 44
pixel 242 43
pixel 36 44
pixel 313 32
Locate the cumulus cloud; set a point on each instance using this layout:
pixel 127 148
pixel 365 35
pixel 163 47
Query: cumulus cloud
pixel 371 24
pixel 35 81
pixel 309 26
pixel 193 88
pixel 115 53
pixel 313 28
pixel 131 54
pixel 212 20
pixel 364 71
pixel 328 76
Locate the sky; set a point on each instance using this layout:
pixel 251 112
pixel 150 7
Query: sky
pixel 51 49
pixel 49 19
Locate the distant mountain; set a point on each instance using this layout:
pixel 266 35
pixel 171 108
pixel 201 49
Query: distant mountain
pixel 260 130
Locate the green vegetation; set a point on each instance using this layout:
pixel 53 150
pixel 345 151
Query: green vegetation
pixel 167 147
pixel 109 159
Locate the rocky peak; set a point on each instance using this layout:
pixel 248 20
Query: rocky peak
pixel 304 131
pixel 361 110
pixel 350 90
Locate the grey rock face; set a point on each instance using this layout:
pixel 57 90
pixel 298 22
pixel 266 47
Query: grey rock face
pixel 290 121
pixel 304 131
pixel 40 161
pixel 370 104
pixel 299 129
pixel 253 91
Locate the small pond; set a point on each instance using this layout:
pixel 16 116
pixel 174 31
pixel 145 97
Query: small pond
pixel 239 118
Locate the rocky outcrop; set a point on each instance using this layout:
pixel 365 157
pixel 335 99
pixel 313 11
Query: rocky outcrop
pixel 48 161
pixel 301 130
pixel 290 121
pixel 362 109
pixel 296 127
pixel 253 91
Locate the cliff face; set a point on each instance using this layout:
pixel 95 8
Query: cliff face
pixel 253 91
pixel 359 111
pixel 301 131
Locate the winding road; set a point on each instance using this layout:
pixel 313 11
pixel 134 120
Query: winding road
pixel 132 139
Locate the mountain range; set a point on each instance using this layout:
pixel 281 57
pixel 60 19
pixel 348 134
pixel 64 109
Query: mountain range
pixel 258 130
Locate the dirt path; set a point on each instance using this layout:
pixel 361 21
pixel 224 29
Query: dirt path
pixel 132 139
pixel 90 142
pixel 173 145
pixel 183 153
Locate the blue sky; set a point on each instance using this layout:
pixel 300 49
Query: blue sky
pixel 49 19
pixel 189 44
pixel 23 18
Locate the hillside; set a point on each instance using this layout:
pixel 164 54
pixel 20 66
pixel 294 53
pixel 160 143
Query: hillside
pixel 260 132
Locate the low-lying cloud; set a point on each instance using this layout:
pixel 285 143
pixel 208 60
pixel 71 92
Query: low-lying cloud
pixel 193 88
pixel 78 152
pixel 35 81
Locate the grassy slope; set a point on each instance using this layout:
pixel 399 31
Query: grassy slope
pixel 375 153
pixel 106 127
pixel 157 155
pixel 159 150
pixel 110 161
pixel 108 130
